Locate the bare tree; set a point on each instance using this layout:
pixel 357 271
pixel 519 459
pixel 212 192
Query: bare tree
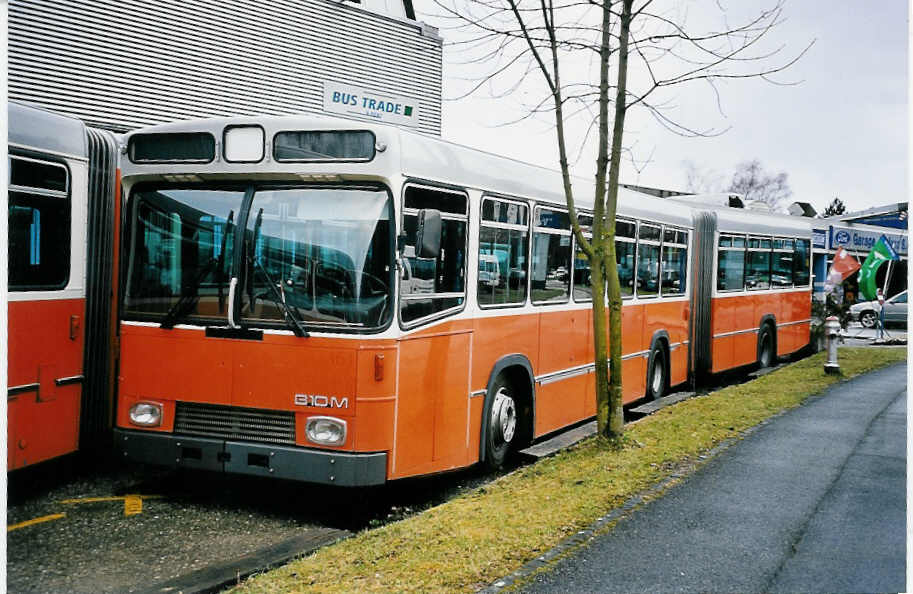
pixel 574 46
pixel 702 181
pixel 749 179
pixel 754 184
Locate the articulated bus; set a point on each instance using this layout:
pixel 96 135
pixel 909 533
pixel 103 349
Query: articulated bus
pixel 756 304
pixel 345 303
pixel 61 251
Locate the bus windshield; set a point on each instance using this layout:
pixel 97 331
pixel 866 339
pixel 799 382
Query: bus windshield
pixel 320 255
pixel 327 251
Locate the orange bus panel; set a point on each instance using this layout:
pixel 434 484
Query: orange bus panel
pixel 43 423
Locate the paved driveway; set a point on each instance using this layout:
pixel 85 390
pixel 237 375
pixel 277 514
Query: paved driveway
pixel 814 501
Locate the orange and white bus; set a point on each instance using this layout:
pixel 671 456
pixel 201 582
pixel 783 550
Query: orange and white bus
pixel 345 303
pixel 61 216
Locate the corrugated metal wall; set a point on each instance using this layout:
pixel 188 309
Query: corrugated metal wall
pixel 122 64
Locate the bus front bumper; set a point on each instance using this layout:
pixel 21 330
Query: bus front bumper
pixel 346 469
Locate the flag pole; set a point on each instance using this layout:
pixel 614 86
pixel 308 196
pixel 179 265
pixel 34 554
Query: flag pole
pixel 887 278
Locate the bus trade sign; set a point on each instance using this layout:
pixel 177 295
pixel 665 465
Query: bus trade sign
pixel 353 101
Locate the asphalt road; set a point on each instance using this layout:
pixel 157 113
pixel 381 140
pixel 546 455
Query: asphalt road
pixel 814 501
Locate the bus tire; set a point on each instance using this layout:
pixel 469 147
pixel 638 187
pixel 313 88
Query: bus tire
pixel 501 422
pixel 766 347
pixel 657 373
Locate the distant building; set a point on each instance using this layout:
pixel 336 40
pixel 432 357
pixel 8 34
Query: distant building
pixel 857 232
pixel 890 215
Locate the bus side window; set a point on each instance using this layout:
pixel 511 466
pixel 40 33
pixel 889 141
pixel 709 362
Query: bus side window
pixel 648 243
pixel 503 245
pixel 583 283
pixel 39 225
pixel 757 263
pixel 625 254
pixel 675 262
pixel 730 273
pixel 800 263
pixel 781 265
pixel 434 286
pixel 551 279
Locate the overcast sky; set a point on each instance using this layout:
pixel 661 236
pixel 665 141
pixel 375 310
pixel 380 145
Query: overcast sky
pixel 841 132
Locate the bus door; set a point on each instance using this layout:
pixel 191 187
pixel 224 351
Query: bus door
pixel 432 418
pixel 46 307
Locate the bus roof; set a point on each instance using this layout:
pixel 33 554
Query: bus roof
pixel 425 157
pixel 739 220
pixel 42 130
pixel 432 158
pixel 428 158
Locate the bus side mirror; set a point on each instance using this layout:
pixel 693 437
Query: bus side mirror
pixel 428 234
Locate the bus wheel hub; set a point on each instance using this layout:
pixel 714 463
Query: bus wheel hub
pixel 504 416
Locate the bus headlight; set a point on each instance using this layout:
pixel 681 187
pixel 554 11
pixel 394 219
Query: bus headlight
pixel 146 414
pixel 326 430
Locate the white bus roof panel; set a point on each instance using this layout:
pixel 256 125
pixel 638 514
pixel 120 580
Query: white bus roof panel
pixel 434 159
pixel 42 130
pixel 737 220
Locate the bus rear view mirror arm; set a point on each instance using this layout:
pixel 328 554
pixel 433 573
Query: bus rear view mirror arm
pixel 428 234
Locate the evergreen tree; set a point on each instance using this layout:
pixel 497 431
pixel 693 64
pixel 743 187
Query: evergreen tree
pixel 836 207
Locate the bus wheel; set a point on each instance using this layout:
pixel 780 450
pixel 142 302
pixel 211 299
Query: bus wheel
pixel 501 418
pixel 656 374
pixel 765 348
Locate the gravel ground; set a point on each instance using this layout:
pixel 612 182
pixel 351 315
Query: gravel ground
pixel 199 520
pixel 96 548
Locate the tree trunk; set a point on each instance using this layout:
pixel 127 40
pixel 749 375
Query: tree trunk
pixel 604 420
pixel 609 262
pixel 616 414
pixel 602 230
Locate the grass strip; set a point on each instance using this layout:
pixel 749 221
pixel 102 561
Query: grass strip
pixel 472 540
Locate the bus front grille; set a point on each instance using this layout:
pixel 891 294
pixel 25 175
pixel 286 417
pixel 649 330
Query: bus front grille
pixel 231 422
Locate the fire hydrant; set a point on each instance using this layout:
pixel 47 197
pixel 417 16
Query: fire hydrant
pixel 832 334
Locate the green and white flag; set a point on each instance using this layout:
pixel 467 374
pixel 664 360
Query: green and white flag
pixel 881 253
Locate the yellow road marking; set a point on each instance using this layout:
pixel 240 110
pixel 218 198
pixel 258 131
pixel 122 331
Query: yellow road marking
pixel 133 504
pixel 34 521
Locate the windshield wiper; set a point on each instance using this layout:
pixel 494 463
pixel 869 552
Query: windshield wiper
pixel 290 318
pixel 189 296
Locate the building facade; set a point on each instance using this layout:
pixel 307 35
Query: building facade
pixel 123 64
pixel 857 232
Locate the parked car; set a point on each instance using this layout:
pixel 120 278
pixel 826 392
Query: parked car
pixel 895 311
